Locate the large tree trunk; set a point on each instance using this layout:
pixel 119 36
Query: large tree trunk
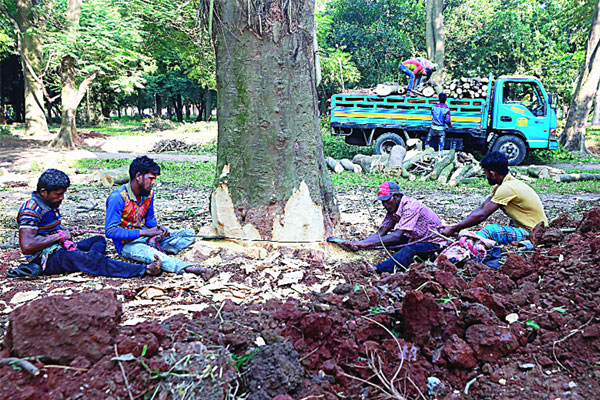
pixel 435 36
pixel 158 101
pixel 272 180
pixel 30 45
pixel 573 137
pixel 178 106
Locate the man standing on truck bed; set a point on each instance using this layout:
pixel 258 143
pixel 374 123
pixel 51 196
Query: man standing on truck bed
pixel 518 201
pixel 440 118
pixel 416 69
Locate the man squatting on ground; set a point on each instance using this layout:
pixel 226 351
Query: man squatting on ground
pixel 131 224
pixel 518 201
pixel 46 243
pixel 408 222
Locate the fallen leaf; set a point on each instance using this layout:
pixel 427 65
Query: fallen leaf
pixel 290 277
pixel 23 297
pixel 134 321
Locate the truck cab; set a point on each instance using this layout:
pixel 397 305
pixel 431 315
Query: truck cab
pixel 523 117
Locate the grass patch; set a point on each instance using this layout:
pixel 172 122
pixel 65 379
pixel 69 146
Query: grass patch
pixel 202 174
pixel 187 173
pixel 554 156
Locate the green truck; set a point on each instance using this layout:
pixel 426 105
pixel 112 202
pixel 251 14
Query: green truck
pixel 517 115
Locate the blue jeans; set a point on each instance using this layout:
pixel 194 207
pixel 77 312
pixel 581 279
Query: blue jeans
pixel 410 74
pixel 89 257
pixel 439 133
pixel 140 250
pixel 406 256
pixel 503 234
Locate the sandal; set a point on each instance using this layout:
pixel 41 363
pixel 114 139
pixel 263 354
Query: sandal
pixel 30 270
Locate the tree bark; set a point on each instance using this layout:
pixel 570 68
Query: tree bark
pixel 158 100
pixel 272 180
pixel 596 117
pixel 435 36
pixel 30 50
pixel 573 137
pixel 178 106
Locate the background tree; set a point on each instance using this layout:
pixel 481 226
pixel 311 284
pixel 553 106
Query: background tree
pixel 28 18
pixel 378 34
pixel 435 36
pixel 94 37
pixel 573 136
pixel 273 182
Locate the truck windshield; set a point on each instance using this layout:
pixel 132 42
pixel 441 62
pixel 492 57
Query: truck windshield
pixel 526 93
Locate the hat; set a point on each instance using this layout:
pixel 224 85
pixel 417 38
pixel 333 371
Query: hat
pixel 387 190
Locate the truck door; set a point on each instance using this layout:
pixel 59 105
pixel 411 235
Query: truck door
pixel 522 106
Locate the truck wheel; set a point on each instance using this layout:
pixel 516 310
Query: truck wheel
pixel 512 147
pixel 384 143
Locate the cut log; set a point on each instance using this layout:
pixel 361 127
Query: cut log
pixel 334 165
pixel 110 177
pixel 428 91
pixel 347 164
pixel 446 173
pixel 443 163
pixel 397 155
pixel 409 163
pixel 472 179
pixel 386 89
pixel 577 177
pixel 459 174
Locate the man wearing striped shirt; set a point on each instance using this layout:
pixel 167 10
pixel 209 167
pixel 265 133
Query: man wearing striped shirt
pixel 408 223
pixel 47 244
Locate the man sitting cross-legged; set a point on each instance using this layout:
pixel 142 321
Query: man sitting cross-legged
pixel 131 224
pixel 47 245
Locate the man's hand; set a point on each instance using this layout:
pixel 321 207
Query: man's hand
pixel 352 245
pixel 66 234
pixel 151 232
pixel 448 231
pixel 165 232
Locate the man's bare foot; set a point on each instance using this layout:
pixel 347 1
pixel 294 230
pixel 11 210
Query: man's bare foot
pixel 205 273
pixel 154 268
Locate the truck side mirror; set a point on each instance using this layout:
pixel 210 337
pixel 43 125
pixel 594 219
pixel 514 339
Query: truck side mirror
pixel 552 100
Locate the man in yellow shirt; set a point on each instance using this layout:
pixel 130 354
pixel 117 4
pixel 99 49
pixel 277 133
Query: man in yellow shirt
pixel 518 201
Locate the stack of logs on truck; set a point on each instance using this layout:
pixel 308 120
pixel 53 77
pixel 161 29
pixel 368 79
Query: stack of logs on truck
pixel 516 115
pixel 447 167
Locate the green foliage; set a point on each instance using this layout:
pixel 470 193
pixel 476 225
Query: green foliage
pixel 185 173
pixel 560 155
pixel 241 360
pixel 157 124
pixel 378 34
pixel 335 146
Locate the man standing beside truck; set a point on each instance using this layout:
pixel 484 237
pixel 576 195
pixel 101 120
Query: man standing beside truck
pixel 440 118
pixel 518 201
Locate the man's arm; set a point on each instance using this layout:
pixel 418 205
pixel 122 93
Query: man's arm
pixel 480 214
pixel 376 239
pixel 30 242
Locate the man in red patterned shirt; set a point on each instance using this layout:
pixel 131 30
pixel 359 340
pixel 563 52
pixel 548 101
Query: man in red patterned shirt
pixel 409 223
pixel 131 224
